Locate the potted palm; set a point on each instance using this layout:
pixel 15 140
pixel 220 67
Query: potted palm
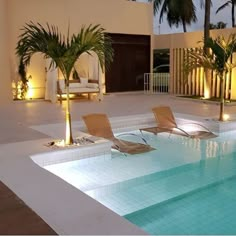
pixel 64 51
pixel 218 61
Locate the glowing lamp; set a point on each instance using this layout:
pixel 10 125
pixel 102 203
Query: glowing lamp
pixel 226 117
pixel 206 93
pixel 30 92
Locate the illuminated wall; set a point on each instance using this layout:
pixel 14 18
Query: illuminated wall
pixel 116 16
pixel 5 91
pixel 176 43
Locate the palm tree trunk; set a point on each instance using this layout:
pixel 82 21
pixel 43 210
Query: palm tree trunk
pixel 207 19
pixel 207 81
pixel 184 26
pixel 222 94
pixel 69 139
pixel 232 14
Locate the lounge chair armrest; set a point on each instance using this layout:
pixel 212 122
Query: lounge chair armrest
pixel 126 134
pixel 197 124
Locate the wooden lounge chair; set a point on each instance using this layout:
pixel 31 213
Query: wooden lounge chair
pixel 166 123
pixel 99 125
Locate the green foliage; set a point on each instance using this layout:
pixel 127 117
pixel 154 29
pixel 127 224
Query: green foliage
pixel 24 80
pixel 177 12
pixel 218 60
pixel 218 25
pixel 75 74
pixel 226 4
pixel 64 51
pixel 22 72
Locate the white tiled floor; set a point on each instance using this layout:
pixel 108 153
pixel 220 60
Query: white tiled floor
pixel 18 116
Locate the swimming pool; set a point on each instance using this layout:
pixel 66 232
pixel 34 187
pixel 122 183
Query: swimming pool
pixel 185 186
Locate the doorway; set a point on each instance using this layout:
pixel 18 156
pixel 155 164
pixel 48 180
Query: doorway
pixel 131 61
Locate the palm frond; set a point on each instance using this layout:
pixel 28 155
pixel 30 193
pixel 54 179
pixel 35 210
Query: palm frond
pixel 217 60
pixel 156 5
pixel 202 3
pixel 36 39
pixel 164 9
pixel 196 59
pixel 94 39
pixel 223 6
pixel 64 51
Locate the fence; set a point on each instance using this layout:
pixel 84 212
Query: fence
pixel 156 82
pixel 177 82
pixel 193 84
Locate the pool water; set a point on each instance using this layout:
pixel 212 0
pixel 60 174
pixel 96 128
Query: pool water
pixel 204 202
pixel 185 186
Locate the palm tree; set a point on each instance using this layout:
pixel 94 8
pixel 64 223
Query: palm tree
pixel 207 17
pixel 182 12
pixel 218 61
pixel 207 80
pixel 64 52
pixel 233 3
pixel 218 25
pixel 178 12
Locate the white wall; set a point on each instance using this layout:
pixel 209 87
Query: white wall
pixel 5 91
pixel 186 40
pixel 115 16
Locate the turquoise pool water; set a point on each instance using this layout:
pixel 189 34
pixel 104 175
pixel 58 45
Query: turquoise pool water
pixel 185 186
pixel 204 202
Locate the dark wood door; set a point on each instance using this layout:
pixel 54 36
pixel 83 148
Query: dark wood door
pixel 131 61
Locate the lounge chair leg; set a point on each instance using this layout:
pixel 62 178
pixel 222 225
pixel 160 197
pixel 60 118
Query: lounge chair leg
pixel 143 139
pixel 141 132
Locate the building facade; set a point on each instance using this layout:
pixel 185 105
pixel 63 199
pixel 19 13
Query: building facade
pixel 177 44
pixel 118 17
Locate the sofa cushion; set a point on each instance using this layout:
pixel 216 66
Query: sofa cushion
pixel 76 85
pixel 87 90
pixel 92 85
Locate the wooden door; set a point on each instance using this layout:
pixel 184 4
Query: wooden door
pixel 131 61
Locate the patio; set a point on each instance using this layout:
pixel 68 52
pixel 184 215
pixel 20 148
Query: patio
pixel 18 141
pixel 19 115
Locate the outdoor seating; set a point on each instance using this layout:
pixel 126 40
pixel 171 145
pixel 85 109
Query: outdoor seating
pixel 99 125
pixel 82 86
pixel 166 123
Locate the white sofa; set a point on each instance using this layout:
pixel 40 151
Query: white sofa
pixel 83 85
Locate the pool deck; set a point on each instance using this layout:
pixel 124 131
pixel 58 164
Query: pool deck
pixel 50 197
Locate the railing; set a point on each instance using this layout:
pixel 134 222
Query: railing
pixel 156 82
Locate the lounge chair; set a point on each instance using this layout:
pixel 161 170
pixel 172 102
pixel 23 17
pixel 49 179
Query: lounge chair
pixel 166 123
pixel 99 125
